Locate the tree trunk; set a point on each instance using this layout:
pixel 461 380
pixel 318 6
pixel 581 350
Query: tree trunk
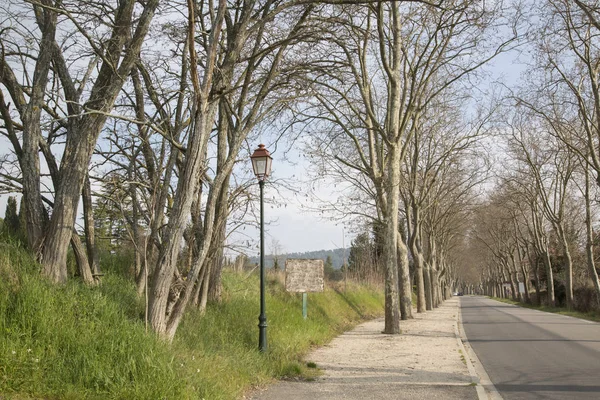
pixel 549 279
pixel 538 289
pixel 90 233
pixel 568 265
pixel 83 265
pixel 84 132
pixel 435 291
pixel 427 283
pixel 184 195
pixel 215 284
pixel 220 222
pixel 72 175
pixel 205 286
pixel 404 280
pixel 511 279
pixel 414 222
pixel 390 253
pixel 525 274
pixel 514 278
pixel 31 116
pixel 420 283
pixel 419 278
pixel 434 273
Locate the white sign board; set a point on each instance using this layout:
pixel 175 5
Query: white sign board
pixel 521 287
pixel 302 276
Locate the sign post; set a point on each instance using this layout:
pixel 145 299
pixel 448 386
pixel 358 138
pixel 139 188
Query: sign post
pixel 303 276
pixel 304 305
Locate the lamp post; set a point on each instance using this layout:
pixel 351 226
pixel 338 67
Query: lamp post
pixel 261 164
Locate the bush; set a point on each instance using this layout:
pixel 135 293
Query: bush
pixel 560 293
pixel 585 299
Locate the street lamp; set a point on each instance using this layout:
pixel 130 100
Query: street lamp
pixel 261 163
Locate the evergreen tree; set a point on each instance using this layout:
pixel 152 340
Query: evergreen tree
pixel 328 266
pixel 22 220
pixel 378 240
pixel 330 272
pixel 360 259
pixel 11 217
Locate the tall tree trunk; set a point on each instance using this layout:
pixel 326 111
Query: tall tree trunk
pixel 436 297
pixel 568 265
pixel 417 260
pixel 84 132
pixel 215 288
pixel 538 288
pixel 427 283
pixel 419 278
pixel 511 279
pixel 90 233
pixel 390 253
pixel 31 117
pixel 84 266
pixel 205 286
pixel 551 301
pixel 514 274
pixel 525 274
pixel 184 195
pixel 72 175
pixel 81 258
pixel 404 280
pixel 420 283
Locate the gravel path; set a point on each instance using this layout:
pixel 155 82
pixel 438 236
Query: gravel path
pixel 424 362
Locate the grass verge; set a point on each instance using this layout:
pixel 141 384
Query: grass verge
pixel 590 316
pixel 77 342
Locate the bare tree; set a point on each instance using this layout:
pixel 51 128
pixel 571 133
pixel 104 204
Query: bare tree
pixel 552 171
pixel 115 47
pixel 244 73
pixel 387 64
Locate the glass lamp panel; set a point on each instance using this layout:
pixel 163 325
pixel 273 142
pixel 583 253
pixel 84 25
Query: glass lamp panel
pixel 260 165
pixel 269 161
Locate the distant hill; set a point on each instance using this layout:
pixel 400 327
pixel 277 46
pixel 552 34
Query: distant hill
pixel 336 257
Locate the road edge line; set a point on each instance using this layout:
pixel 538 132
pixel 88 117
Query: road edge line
pixel 484 386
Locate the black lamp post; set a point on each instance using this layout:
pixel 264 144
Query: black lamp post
pixel 261 163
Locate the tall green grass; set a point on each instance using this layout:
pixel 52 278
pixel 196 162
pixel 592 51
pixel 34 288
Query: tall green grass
pixel 77 342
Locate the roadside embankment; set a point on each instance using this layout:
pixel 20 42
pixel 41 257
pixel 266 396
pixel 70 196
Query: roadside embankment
pixel 80 342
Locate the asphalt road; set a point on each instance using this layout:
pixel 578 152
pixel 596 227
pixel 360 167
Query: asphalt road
pixel 530 354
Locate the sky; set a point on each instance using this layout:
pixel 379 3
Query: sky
pixel 290 226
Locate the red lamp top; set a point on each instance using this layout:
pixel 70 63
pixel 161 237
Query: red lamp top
pixel 261 162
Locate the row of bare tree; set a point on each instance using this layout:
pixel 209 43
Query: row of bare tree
pixel 541 220
pixel 146 108
pixel 389 123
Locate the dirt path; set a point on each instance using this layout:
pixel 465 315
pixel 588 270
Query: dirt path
pixel 425 362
